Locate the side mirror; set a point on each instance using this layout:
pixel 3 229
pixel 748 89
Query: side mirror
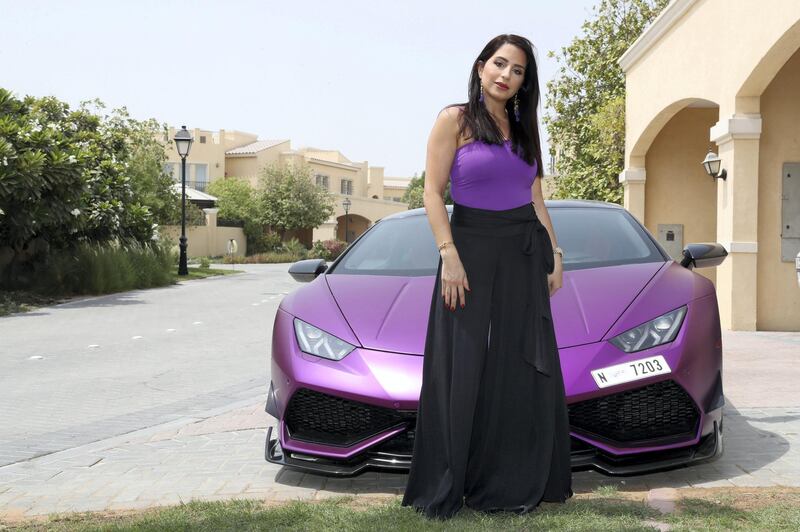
pixel 305 271
pixel 703 255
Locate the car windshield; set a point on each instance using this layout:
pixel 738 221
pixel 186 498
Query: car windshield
pixel 593 237
pixel 590 237
pixel 400 246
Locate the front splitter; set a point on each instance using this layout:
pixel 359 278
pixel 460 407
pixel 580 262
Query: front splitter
pixel 708 448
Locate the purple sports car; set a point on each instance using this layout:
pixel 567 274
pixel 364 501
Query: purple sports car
pixel 638 336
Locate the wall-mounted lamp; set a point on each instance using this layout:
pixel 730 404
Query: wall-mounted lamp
pixel 712 163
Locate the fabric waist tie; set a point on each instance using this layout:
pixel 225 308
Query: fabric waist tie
pixel 537 345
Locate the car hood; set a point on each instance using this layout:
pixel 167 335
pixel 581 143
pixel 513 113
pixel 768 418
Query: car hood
pixel 390 313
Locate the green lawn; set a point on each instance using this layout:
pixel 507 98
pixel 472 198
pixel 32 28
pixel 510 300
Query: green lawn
pixel 604 509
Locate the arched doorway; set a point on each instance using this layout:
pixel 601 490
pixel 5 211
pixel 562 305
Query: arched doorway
pixel 356 224
pixel 676 198
pixel 680 197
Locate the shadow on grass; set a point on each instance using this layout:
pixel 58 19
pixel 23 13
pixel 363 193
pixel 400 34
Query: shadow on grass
pixel 695 514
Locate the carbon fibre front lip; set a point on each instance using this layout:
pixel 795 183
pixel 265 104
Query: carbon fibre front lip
pixel 709 447
pixel 327 466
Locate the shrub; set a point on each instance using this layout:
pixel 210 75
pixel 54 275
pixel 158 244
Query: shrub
pixel 205 263
pixel 264 258
pixel 294 247
pixel 327 249
pixel 263 241
pixel 335 247
pixel 103 269
pixel 318 251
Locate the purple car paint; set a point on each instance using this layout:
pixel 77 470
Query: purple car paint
pixel 343 416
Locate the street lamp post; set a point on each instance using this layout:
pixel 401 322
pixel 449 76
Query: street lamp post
pixel 183 141
pixel 346 204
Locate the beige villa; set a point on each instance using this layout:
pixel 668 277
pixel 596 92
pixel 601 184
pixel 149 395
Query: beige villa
pixel 722 75
pixel 219 154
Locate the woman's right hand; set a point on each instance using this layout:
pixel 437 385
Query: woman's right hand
pixel 454 279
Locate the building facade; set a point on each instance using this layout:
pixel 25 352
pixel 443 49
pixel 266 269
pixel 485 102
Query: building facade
pixel 220 154
pixel 725 76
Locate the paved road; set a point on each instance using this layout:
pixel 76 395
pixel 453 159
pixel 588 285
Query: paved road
pixel 98 367
pixel 178 414
pixel 222 457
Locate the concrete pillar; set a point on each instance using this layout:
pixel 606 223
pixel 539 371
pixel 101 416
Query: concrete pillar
pixel 633 180
pixel 737 219
pixel 211 229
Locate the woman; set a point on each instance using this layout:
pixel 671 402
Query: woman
pixel 492 428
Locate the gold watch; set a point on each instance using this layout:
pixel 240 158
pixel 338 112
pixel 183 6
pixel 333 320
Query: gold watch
pixel 559 251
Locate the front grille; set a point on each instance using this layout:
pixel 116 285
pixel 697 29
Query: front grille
pixel 321 418
pixel 578 446
pixel 660 411
pixel 399 444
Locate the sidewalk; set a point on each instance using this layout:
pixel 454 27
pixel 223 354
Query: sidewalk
pixel 220 454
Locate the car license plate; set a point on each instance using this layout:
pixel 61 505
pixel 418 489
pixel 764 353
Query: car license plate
pixel 630 371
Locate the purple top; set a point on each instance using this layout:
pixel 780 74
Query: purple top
pixel 490 176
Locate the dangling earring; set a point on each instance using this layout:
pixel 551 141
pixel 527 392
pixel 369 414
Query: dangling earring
pixel 481 98
pixel 516 108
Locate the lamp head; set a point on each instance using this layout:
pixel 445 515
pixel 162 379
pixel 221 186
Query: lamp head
pixel 183 141
pixel 712 163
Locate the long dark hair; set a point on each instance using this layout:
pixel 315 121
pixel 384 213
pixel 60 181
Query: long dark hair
pixel 525 133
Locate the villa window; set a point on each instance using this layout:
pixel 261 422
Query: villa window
pixel 322 181
pixel 347 187
pixel 200 173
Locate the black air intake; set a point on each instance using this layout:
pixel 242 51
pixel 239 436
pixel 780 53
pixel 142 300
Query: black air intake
pixel 321 418
pixel 658 413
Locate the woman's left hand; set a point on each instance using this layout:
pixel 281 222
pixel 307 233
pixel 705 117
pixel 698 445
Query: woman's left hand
pixel 555 280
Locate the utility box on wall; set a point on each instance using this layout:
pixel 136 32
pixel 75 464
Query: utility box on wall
pixel 670 236
pixel 790 211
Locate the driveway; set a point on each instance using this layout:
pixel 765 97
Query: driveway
pixel 98 367
pixel 168 418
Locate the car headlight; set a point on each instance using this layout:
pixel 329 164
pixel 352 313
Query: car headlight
pixel 655 332
pixel 315 341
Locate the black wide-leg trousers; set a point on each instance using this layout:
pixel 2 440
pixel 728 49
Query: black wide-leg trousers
pixel 492 427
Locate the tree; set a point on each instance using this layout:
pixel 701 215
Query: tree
pixel 289 199
pixel 152 184
pixel 585 108
pixel 41 175
pixel 414 193
pixel 237 201
pixel 73 176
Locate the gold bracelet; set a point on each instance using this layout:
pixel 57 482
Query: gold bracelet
pixel 443 244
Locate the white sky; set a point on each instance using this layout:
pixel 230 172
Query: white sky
pixel 364 77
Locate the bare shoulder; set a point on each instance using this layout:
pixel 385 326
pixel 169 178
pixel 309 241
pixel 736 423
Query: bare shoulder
pixel 451 118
